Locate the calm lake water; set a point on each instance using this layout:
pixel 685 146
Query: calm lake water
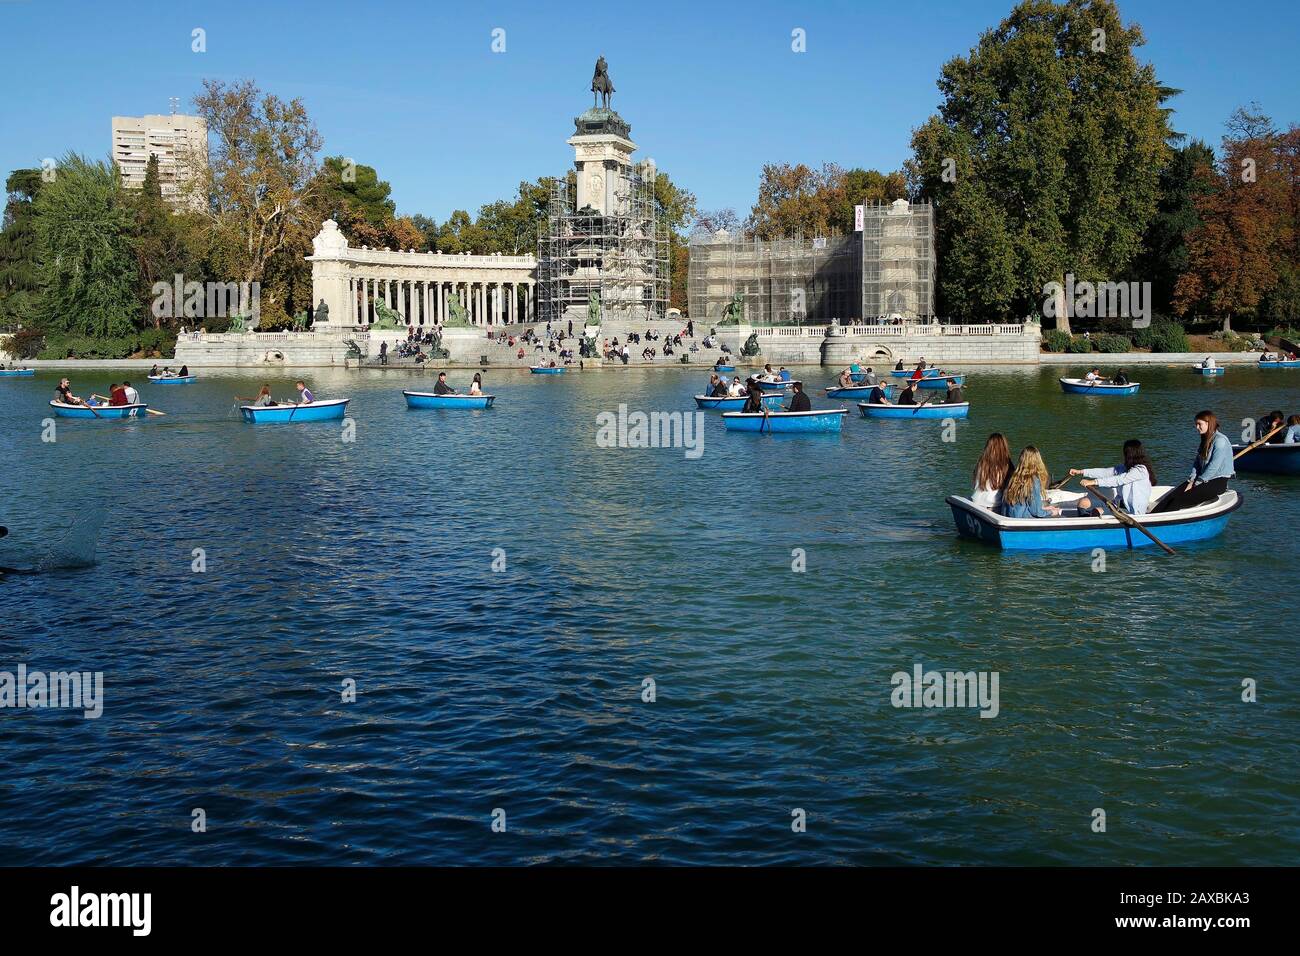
pixel 521 689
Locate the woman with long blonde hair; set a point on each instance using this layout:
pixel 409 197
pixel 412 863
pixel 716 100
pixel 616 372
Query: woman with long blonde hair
pixel 991 472
pixel 1023 497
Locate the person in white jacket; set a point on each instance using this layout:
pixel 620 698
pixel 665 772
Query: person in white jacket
pixel 1132 482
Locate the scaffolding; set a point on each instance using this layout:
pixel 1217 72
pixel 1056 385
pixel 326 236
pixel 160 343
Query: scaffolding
pixel 884 271
pixel 622 255
pixel 783 282
pixel 898 261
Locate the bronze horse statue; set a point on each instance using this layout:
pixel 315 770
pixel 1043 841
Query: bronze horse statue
pixel 601 85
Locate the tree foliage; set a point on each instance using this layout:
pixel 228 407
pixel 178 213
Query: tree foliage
pixel 88 273
pixel 19 258
pixel 1243 252
pixel 800 200
pixel 261 173
pixel 1047 149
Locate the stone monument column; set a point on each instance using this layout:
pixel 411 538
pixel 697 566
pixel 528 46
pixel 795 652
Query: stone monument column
pixel 330 271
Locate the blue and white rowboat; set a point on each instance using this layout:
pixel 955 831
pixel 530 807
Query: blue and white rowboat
pixel 931 372
pixel 1216 370
pixel 915 412
pixel 173 379
pixel 546 370
pixel 8 372
pixel 1280 364
pixel 432 400
pixel 940 381
pixel 845 392
pixel 822 420
pixel 110 412
pixel 734 403
pixel 328 411
pixel 1269 459
pixel 724 368
pixel 777 386
pixel 1077 386
pixel 1074 533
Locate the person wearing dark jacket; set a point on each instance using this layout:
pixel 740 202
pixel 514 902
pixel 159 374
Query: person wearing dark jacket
pixel 908 395
pixel 954 396
pixel 441 387
pixel 753 396
pixel 799 399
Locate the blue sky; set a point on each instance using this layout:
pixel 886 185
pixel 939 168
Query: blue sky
pixel 712 90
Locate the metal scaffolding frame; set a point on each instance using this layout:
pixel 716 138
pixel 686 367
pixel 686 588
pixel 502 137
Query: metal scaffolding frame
pixel 621 255
pixel 784 282
pixel 898 261
pixel 887 269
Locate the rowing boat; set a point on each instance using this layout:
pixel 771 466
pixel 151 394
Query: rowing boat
pixel 1077 386
pixel 433 400
pixel 546 369
pixel 1288 363
pixel 820 420
pixel 1269 459
pixel 111 412
pixel 940 381
pixel 733 403
pixel 932 410
pixel 1071 532
pixel 326 411
pixel 1213 370
pixel 11 372
pixel 843 392
pixel 173 379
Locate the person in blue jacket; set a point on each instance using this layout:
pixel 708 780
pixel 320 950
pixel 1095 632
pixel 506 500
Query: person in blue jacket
pixel 1023 496
pixel 1128 484
pixel 1211 469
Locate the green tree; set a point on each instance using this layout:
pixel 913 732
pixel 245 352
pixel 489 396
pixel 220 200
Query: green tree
pixel 84 227
pixel 261 175
pixel 164 242
pixel 1164 254
pixel 1053 128
pixel 19 261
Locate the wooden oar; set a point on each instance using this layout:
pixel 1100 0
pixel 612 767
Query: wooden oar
pixel 1255 444
pixel 925 403
pixel 1062 483
pixel 1127 519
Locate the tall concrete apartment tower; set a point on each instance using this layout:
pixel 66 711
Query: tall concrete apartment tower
pixel 180 142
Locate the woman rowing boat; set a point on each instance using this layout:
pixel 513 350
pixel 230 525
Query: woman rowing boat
pixel 1133 479
pixel 263 400
pixel 1211 469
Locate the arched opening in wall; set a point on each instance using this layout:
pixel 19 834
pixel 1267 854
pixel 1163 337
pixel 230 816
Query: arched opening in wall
pixel 877 353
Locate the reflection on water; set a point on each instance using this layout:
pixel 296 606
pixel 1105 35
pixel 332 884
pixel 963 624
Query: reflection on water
pixel 372 561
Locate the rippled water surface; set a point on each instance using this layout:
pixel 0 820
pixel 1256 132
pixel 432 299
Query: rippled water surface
pixel 521 689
